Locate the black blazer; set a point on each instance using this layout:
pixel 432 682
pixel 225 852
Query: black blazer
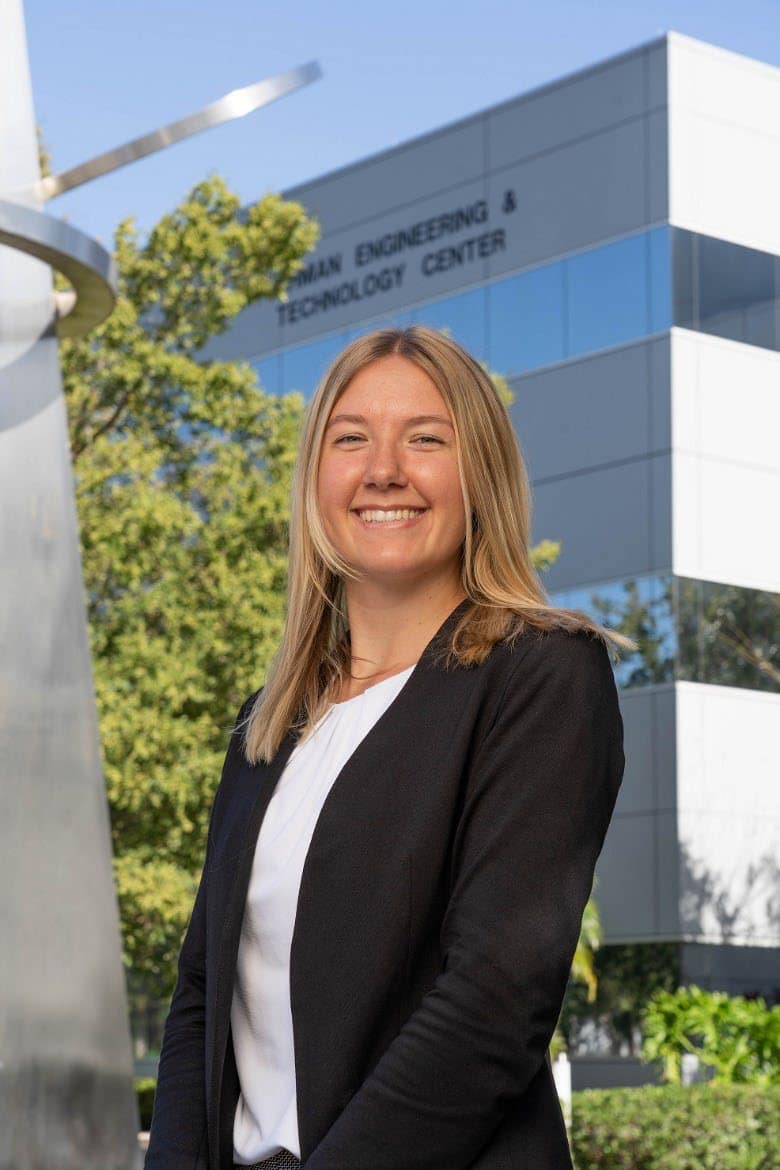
pixel 439 910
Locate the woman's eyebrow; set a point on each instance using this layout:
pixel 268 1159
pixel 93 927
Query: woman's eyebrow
pixel 418 418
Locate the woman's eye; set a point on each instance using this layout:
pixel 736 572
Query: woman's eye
pixel 426 439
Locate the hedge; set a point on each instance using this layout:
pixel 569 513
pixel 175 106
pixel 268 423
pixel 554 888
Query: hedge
pixel 655 1127
pixel 676 1127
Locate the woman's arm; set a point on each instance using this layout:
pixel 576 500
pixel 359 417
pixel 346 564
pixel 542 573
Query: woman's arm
pixel 539 800
pixel 177 1139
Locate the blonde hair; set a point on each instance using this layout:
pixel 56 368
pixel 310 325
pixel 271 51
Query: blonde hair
pixel 497 573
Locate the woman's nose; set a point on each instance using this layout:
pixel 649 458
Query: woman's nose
pixel 384 465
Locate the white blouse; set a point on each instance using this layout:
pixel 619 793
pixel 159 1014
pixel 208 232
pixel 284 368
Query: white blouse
pixel 266 1117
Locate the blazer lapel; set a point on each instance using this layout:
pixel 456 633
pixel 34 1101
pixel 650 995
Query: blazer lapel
pixel 252 790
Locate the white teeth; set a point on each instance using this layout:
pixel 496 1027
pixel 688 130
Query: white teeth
pixel 381 517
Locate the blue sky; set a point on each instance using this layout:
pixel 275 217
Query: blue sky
pixel 104 72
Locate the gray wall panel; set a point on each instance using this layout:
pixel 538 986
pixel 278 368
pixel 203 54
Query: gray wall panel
pixel 659 402
pixel 659 495
pixel 599 409
pixel 656 132
pixel 637 897
pixel 656 72
pixel 731 969
pixel 399 176
pixel 627 872
pixel 602 519
pixel 573 108
pixel 668 887
pixel 649 727
pixel 588 191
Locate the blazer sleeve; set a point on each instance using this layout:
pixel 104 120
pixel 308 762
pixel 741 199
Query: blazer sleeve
pixel 177 1138
pixel 538 801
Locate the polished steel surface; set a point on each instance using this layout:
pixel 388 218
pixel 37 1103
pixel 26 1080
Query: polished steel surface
pixel 88 266
pixel 235 104
pixel 66 1090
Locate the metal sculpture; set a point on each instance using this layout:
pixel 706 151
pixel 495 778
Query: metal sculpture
pixel 66 1094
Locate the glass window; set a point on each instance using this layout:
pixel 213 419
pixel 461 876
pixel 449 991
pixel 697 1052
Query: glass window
pixel 640 607
pixel 463 316
pixel 700 631
pixel 729 636
pixel 659 268
pixel 726 290
pixel 269 373
pixel 607 295
pixel 526 320
pixel 304 366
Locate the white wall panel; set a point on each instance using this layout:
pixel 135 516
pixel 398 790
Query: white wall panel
pixel 725 400
pixel 729 879
pixel 726 477
pixel 724 144
pixel 725 522
pixel 729 813
pixel 727 759
pixel 712 82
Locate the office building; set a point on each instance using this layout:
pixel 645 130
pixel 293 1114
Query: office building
pixel 610 243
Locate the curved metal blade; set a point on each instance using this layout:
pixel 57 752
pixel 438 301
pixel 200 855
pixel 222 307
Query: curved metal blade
pixel 235 104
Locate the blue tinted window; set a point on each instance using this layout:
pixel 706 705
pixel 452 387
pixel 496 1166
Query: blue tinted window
pixel 269 373
pixel 728 635
pixel 641 607
pixel 526 320
pixel 607 301
pixel 726 290
pixel 463 316
pixel 659 267
pixel 304 366
pixel 701 631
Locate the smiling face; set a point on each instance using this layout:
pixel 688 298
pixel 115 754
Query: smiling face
pixel 396 450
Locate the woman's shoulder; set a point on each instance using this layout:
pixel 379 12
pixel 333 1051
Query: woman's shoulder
pixel 523 638
pixel 554 652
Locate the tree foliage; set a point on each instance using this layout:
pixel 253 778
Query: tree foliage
pixel 735 1038
pixel 182 469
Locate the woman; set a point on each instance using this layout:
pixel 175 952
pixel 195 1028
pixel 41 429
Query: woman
pixel 410 811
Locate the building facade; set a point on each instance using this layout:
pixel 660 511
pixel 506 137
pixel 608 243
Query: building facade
pixel 610 243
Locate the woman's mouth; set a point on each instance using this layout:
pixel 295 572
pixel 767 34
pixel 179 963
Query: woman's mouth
pixel 389 517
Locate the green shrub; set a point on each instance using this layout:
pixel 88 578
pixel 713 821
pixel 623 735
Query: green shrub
pixel 144 1091
pixel 674 1127
pixel 737 1038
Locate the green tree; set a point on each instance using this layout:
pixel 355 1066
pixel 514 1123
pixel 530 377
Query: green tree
pixel 624 976
pixel 182 471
